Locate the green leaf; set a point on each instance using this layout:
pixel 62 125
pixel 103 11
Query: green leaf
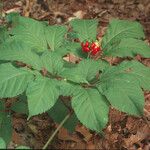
pixel 28 30
pixel 71 47
pixel 130 47
pixel 59 112
pixel 74 48
pixel 55 36
pixel 140 72
pixel 3 34
pixel 13 81
pixel 91 108
pixel 121 29
pixel 42 95
pixel 2 105
pixel 2 144
pixel 23 147
pixel 2 109
pixel 19 51
pixel 20 106
pixel 52 62
pixel 126 97
pixel 86 29
pixel 5 127
pixel 65 88
pixel 83 72
pixel 121 85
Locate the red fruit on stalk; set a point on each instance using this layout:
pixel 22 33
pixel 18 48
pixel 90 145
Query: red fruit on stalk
pixel 95 48
pixel 92 45
pixel 86 49
pixel 85 46
pixel 94 52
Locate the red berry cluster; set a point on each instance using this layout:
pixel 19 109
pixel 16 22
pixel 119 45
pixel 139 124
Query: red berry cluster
pixel 93 47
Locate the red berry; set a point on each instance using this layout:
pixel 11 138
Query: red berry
pixel 93 45
pixel 98 48
pixel 86 49
pixel 95 50
pixel 82 44
pixel 86 44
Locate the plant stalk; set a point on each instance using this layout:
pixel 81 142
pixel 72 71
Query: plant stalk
pixel 55 132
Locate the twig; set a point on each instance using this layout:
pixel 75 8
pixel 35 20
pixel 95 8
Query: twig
pixel 55 132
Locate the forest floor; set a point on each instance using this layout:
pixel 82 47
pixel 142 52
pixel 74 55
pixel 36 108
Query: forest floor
pixel 123 131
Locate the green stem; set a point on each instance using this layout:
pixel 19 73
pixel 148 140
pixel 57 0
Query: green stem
pixel 88 56
pixel 55 132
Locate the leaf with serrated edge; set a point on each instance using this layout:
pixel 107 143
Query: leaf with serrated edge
pixel 73 48
pixel 120 29
pixel 121 85
pixel 13 81
pixel 141 74
pixel 52 62
pixel 130 47
pixel 29 30
pixel 42 95
pixel 55 36
pixel 91 108
pixel 83 72
pixel 86 29
pixel 19 51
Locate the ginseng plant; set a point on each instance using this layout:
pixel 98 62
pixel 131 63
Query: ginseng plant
pixel 34 71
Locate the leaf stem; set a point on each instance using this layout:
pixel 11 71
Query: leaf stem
pixel 55 132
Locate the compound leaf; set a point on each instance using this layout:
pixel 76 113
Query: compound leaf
pixel 121 85
pixel 83 72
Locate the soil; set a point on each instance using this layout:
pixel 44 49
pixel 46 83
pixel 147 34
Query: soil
pixel 123 131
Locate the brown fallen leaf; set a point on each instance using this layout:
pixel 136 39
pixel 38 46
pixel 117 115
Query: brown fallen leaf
pixel 141 134
pixel 71 58
pixel 90 145
pixel 64 135
pixel 84 132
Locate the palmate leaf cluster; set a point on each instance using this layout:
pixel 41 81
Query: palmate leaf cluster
pixel 92 86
